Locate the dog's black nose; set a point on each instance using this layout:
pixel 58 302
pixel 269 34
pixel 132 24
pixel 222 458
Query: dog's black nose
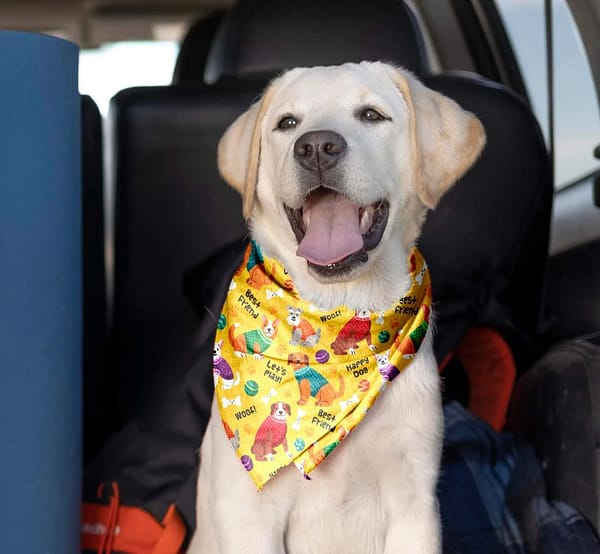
pixel 319 149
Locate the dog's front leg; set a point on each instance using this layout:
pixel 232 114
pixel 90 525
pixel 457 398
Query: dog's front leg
pixel 416 531
pixel 409 494
pixel 231 515
pixel 410 486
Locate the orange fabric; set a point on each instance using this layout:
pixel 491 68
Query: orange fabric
pixel 491 370
pixel 173 534
pixel 113 528
pixel 135 530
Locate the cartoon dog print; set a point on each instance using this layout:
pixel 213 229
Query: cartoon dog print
pixel 317 456
pixel 303 333
pixel 254 263
pixel 410 344
pixel 312 383
pixel 258 275
pixel 354 331
pixel 222 369
pixel 254 342
pixel 387 370
pixel 272 433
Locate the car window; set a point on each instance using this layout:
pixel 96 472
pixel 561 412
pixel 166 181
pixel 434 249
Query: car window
pixel 113 67
pixel 576 111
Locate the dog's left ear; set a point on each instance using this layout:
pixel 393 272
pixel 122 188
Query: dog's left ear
pixel 446 140
pixel 238 154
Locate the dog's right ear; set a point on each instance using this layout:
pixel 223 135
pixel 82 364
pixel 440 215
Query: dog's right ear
pixel 238 155
pixel 446 139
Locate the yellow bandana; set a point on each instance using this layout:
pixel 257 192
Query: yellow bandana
pixel 292 381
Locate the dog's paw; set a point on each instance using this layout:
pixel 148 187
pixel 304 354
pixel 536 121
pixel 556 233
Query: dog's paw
pixel 352 350
pixel 258 356
pixel 372 347
pixel 240 354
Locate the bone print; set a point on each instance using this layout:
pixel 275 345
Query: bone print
pixel 352 400
pixel 273 293
pixel 237 401
pixel 270 394
pixel 296 424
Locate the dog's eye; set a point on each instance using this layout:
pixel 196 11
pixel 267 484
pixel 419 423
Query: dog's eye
pixel 287 122
pixel 370 114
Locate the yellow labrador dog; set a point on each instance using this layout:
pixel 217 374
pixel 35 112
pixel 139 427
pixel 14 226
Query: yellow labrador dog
pixel 337 167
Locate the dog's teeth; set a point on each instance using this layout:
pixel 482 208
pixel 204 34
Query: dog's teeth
pixel 366 219
pixel 306 218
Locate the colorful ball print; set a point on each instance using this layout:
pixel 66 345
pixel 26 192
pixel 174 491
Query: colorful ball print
pixel 299 444
pixel 322 356
pixel 384 336
pixel 247 462
pixel 222 322
pixel 363 385
pixel 251 388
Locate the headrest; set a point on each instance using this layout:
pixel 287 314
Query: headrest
pixel 267 36
pixel 194 49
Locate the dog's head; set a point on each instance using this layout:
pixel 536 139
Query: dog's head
pixel 269 327
pixel 363 314
pixel 337 166
pixel 298 360
pixel 280 411
pixel 293 315
pixel 382 359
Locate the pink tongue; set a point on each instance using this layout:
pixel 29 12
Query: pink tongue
pixel 332 228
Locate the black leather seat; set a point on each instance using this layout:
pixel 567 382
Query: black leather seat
pixel 486 241
pixel 267 36
pixel 172 209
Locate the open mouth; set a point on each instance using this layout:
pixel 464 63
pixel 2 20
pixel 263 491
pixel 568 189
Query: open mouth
pixel 335 235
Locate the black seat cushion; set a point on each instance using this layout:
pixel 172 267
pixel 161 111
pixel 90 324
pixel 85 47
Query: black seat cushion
pixel 267 36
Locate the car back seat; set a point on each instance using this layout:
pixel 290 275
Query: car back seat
pixel 171 209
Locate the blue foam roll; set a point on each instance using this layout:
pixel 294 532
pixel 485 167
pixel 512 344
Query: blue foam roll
pixel 40 295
